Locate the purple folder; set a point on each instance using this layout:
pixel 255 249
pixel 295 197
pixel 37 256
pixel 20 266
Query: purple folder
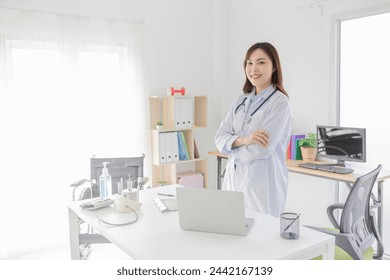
pixel 294 145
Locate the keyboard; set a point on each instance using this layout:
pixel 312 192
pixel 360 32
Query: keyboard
pixel 326 167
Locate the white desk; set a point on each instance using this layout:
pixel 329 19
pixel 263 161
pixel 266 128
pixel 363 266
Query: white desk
pixel 158 236
pixel 348 179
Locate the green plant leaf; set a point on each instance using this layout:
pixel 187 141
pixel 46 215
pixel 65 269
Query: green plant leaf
pixel 310 141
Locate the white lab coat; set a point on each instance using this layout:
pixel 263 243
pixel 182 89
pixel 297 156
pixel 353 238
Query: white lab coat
pixel 260 173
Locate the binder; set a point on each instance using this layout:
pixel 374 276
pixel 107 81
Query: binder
pixel 177 113
pixel 161 148
pixel 187 112
pixel 183 112
pixel 174 146
pixel 168 147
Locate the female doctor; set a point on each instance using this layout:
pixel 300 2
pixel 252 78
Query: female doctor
pixel 256 132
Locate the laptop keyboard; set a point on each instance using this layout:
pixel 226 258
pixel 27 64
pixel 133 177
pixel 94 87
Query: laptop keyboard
pixel 327 168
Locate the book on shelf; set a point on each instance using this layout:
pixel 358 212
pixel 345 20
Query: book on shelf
pixel 182 145
pixel 196 152
pixel 298 153
pixel 288 152
pixel 295 152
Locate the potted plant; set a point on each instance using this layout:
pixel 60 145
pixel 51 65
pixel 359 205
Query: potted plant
pixel 308 147
pixel 159 125
pixel 162 183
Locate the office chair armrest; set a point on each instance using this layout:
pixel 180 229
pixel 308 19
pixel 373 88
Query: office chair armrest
pixel 331 231
pixel 79 183
pixel 86 192
pixel 331 215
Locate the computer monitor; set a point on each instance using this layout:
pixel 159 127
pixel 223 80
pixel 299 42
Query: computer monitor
pixel 341 143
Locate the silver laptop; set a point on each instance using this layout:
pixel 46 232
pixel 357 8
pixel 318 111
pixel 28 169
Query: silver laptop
pixel 212 211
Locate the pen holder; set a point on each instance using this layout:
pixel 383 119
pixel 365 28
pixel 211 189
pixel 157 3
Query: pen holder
pixel 289 225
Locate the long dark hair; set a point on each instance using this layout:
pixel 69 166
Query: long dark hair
pixel 277 76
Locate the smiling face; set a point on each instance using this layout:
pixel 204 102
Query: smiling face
pixel 259 69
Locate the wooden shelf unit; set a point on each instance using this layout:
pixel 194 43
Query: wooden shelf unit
pixel 162 108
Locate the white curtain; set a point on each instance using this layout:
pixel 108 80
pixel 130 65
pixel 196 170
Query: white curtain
pixel 70 88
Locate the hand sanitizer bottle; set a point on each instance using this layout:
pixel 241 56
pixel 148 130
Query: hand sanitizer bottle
pixel 105 182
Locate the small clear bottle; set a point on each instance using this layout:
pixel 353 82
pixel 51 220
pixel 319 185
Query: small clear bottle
pixel 134 190
pixel 105 186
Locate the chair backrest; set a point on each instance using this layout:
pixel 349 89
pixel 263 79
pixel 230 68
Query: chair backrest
pixel 356 216
pixel 125 168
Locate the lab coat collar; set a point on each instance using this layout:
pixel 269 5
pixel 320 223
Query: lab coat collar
pixel 263 94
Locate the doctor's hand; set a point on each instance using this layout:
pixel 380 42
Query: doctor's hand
pixel 258 137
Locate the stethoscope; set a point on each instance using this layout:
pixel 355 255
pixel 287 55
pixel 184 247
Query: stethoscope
pixel 258 107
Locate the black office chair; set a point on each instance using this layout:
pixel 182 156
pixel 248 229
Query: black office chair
pixel 121 170
pixel 357 230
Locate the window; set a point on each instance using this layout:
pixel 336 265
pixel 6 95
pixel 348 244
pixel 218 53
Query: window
pixel 71 88
pixel 365 87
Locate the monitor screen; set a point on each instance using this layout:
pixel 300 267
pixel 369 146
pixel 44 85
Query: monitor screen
pixel 341 143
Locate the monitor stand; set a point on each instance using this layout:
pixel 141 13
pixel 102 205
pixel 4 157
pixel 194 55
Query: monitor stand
pixel 340 163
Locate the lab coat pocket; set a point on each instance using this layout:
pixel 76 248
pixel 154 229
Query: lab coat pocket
pixel 257 174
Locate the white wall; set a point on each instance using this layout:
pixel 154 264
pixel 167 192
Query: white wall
pixel 200 44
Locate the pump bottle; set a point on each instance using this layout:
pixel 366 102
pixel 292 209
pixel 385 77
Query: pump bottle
pixel 105 186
